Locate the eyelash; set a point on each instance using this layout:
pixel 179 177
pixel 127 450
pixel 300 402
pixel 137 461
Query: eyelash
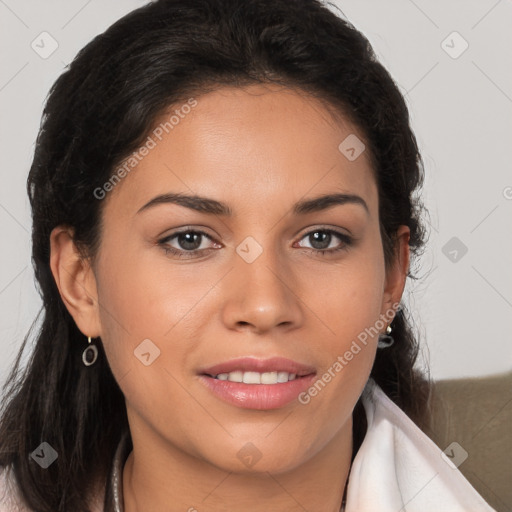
pixel 347 242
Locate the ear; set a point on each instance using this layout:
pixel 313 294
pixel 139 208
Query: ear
pixel 75 280
pixel 397 274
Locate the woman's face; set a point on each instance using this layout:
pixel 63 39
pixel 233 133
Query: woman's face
pixel 254 285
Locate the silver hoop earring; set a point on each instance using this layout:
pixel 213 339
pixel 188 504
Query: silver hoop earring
pixel 385 340
pixel 90 354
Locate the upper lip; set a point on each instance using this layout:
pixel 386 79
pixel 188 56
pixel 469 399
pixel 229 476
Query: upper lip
pixel 251 364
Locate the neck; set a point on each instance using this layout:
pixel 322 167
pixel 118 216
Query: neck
pixel 159 476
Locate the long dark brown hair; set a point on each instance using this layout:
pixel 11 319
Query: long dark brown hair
pixel 99 111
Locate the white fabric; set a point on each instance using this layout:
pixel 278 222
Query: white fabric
pixel 397 469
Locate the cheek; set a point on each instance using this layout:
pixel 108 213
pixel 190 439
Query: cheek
pixel 347 296
pixel 144 296
pixel 147 309
pixel 348 299
pixel 145 293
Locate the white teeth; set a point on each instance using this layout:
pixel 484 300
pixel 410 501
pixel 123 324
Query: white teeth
pixel 282 376
pixel 252 378
pixel 256 377
pixel 269 378
pixel 236 376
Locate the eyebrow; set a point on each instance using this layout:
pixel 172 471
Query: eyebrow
pixel 214 207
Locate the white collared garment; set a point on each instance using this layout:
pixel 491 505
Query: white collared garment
pixel 399 469
pixel 396 469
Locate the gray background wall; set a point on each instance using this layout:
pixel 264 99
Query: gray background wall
pixel 451 60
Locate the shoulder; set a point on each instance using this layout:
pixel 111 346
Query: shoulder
pixel 10 500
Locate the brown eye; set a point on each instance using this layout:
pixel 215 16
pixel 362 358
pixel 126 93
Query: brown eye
pixel 320 240
pixel 188 243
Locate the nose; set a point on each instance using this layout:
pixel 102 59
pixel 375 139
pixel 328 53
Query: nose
pixel 262 295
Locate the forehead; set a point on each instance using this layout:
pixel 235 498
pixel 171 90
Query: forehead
pixel 252 146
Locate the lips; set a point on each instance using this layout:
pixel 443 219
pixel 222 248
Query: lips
pixel 263 397
pixel 250 364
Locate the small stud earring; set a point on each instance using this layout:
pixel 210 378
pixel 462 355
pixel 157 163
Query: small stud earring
pixel 385 340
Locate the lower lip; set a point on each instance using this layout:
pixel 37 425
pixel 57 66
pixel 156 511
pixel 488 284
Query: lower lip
pixel 258 396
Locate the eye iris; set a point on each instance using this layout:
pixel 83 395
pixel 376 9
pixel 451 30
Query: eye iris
pixel 323 236
pixel 184 239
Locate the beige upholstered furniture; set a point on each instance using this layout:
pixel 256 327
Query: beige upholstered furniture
pixel 477 414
